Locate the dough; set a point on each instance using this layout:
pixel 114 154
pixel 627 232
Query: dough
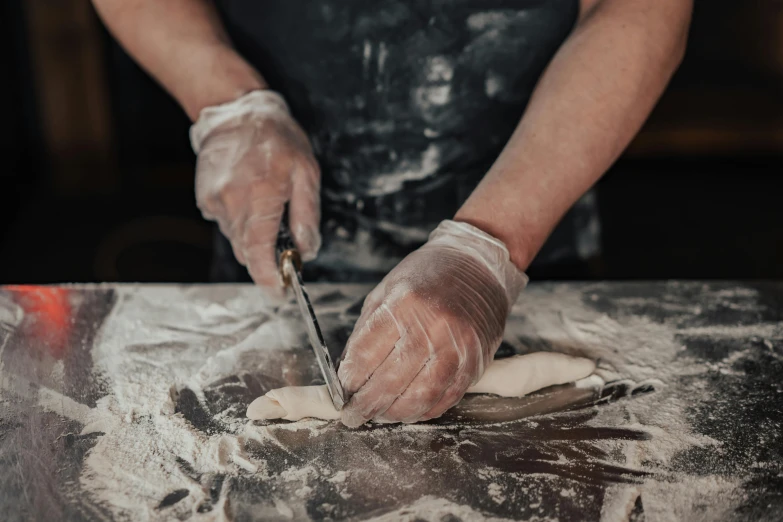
pixel 511 377
pixel 522 374
pixel 294 403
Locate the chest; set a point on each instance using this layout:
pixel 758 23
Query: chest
pixel 397 59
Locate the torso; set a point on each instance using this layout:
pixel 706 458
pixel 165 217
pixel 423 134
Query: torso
pixel 407 103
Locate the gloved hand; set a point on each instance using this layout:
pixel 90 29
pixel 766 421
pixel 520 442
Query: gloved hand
pixel 252 159
pixel 430 328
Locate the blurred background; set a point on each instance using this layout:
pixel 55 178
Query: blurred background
pixel 97 171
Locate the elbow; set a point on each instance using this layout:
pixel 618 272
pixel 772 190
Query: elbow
pixel 679 47
pixel 679 38
pixel 656 29
pixel 675 56
pixel 102 9
pixel 665 38
pixel 111 11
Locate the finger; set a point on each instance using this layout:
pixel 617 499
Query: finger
pixel 470 366
pixel 235 246
pixel 391 378
pixel 232 216
pixel 209 175
pixel 367 348
pixel 259 236
pixel 371 303
pixel 422 394
pixel 210 206
pixel 450 397
pixel 304 215
pixel 234 239
pixel 445 366
pixel 224 228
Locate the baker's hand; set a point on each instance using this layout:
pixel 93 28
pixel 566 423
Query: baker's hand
pixel 431 327
pixel 253 158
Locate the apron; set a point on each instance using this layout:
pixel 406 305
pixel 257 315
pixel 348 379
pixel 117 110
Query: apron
pixel 407 103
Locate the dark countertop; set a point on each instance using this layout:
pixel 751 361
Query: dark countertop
pixel 122 402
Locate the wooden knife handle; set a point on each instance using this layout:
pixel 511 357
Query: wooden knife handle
pixel 286 248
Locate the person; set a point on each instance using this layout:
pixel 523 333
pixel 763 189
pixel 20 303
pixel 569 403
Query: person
pixel 494 117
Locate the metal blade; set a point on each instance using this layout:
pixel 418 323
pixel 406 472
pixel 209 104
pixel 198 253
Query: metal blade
pixel 314 334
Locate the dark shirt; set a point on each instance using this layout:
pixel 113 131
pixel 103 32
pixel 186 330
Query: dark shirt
pixel 407 103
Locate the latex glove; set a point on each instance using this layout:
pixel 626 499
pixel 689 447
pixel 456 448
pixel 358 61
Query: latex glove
pixel 431 327
pixel 253 158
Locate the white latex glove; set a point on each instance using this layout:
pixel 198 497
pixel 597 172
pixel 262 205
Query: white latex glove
pixel 253 158
pixel 430 328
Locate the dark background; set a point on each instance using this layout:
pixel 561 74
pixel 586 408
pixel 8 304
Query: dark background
pixel 96 172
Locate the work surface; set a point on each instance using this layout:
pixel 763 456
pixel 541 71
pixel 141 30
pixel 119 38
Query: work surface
pixel 127 403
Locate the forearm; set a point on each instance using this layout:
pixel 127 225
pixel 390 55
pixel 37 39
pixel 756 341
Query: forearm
pixel 183 45
pixel 590 102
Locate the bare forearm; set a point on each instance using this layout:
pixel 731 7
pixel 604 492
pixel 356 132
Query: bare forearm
pixel 590 102
pixel 183 45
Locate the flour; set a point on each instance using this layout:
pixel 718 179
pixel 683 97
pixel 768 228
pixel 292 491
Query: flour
pixel 494 84
pixel 357 253
pixel 495 492
pixel 390 182
pixel 159 344
pixel 145 450
pixel 11 314
pixel 338 478
pixel 62 405
pixel 644 349
pixel 434 509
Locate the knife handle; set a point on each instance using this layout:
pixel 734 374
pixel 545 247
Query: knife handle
pixel 286 248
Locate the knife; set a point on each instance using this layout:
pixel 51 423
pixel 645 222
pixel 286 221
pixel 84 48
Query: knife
pixel 290 264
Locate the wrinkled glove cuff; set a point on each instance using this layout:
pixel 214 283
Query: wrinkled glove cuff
pixel 489 250
pixel 254 102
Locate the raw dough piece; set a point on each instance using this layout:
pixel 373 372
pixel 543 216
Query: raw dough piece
pixel 511 377
pixel 522 374
pixel 294 403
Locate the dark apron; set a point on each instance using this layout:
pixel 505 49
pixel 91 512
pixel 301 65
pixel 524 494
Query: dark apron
pixel 408 103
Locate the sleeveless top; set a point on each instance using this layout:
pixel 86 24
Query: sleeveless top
pixel 408 103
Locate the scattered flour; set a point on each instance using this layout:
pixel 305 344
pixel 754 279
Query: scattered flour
pixel 163 338
pixel 138 418
pixel 495 492
pixel 391 182
pixel 339 477
pixel 434 509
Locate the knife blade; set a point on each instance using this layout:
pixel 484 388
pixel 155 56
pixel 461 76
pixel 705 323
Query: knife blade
pixel 290 265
